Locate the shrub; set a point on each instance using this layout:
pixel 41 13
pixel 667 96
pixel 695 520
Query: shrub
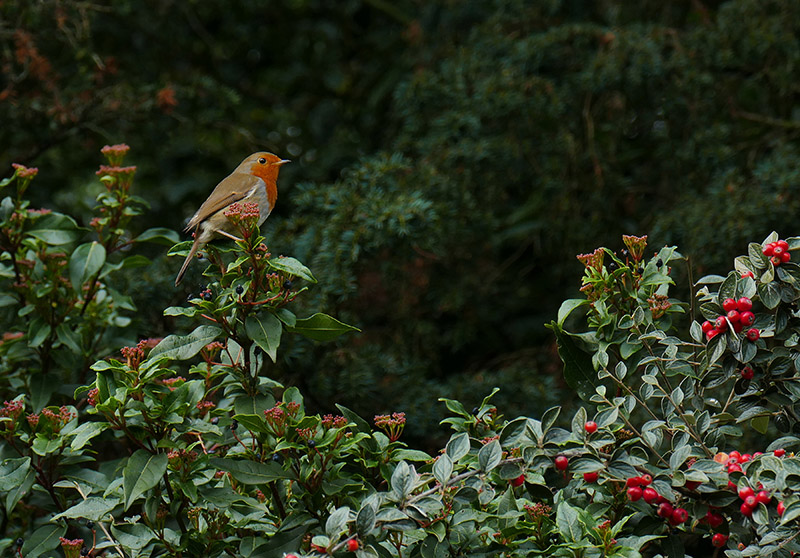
pixel 185 446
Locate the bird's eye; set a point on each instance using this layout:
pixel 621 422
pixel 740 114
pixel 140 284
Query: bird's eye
pixel 262 161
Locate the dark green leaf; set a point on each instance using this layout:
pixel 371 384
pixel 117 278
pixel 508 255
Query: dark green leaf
pixel 578 370
pixel 44 539
pixel 182 347
pixel 265 331
pixel 143 471
pixel 85 262
pixel 291 266
pixel 251 472
pixel 320 327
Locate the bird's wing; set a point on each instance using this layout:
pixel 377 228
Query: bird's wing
pixel 222 196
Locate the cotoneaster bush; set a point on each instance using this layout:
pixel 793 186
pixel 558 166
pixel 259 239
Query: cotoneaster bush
pixel 186 446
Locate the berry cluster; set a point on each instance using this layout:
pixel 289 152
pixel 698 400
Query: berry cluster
pixel 777 252
pixel 751 499
pixel 738 315
pixel 639 489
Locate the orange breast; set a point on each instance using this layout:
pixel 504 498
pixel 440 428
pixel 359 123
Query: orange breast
pixel 269 175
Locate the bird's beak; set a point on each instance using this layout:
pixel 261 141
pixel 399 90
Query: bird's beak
pixel 283 162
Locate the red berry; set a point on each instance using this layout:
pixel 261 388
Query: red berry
pixel 646 479
pixel 747 318
pixel 633 481
pixel 719 540
pixel 590 427
pixel 777 250
pixel 665 510
pixel 692 485
pixel 757 454
pixel 721 324
pixel 734 468
pixel 746 510
pixel 785 257
pixel 745 492
pixel 729 304
pixel 779 452
pixel 748 274
pixel 747 374
pixel 763 497
pixel 352 545
pixel 650 495
pixel 590 477
pixel 751 501
pixel 734 455
pixel 679 515
pixel 781 508
pixel 753 334
pixel 731 485
pixel 744 304
pixel 738 327
pixel 714 519
pixel 707 326
pixel 712 334
pixel 290 556
pixel 518 481
pixel 562 463
pixel 634 493
pixel 746 456
pixel 733 316
pixel 776 260
pixel 768 249
pixel 783 244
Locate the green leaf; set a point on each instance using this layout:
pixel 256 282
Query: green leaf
pixel 489 456
pixel 365 520
pixel 133 536
pixel 69 337
pixel 92 508
pixel 254 423
pixel 86 432
pixel 158 235
pixel 291 266
pixel 143 472
pixel 56 229
pixel 181 311
pixel 567 522
pixel 442 469
pixel 321 327
pixel 402 481
pixel 38 331
pixel 251 472
pixel 568 306
pixel 265 331
pixel 337 522
pixel 13 472
pixel 578 370
pixel 177 347
pixel 85 262
pixel 44 539
pixel 19 491
pixel 458 446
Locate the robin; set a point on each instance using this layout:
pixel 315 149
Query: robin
pixel 254 180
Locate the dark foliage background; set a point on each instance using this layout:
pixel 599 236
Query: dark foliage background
pixel 449 157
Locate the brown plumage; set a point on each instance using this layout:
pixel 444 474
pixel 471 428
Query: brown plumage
pixel 254 180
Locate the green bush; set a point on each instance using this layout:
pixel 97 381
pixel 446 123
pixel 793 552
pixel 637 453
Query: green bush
pixel 188 446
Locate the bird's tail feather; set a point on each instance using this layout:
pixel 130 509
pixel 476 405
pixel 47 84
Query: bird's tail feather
pixel 192 252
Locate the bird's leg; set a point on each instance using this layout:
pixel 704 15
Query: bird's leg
pixel 236 238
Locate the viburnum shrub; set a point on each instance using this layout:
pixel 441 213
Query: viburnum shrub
pixel 186 446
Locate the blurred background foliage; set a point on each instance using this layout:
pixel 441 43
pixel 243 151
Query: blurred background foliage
pixel 449 158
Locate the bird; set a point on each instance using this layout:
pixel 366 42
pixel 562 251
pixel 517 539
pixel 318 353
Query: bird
pixel 254 180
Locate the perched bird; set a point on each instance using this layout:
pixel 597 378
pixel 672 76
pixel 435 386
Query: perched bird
pixel 254 180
